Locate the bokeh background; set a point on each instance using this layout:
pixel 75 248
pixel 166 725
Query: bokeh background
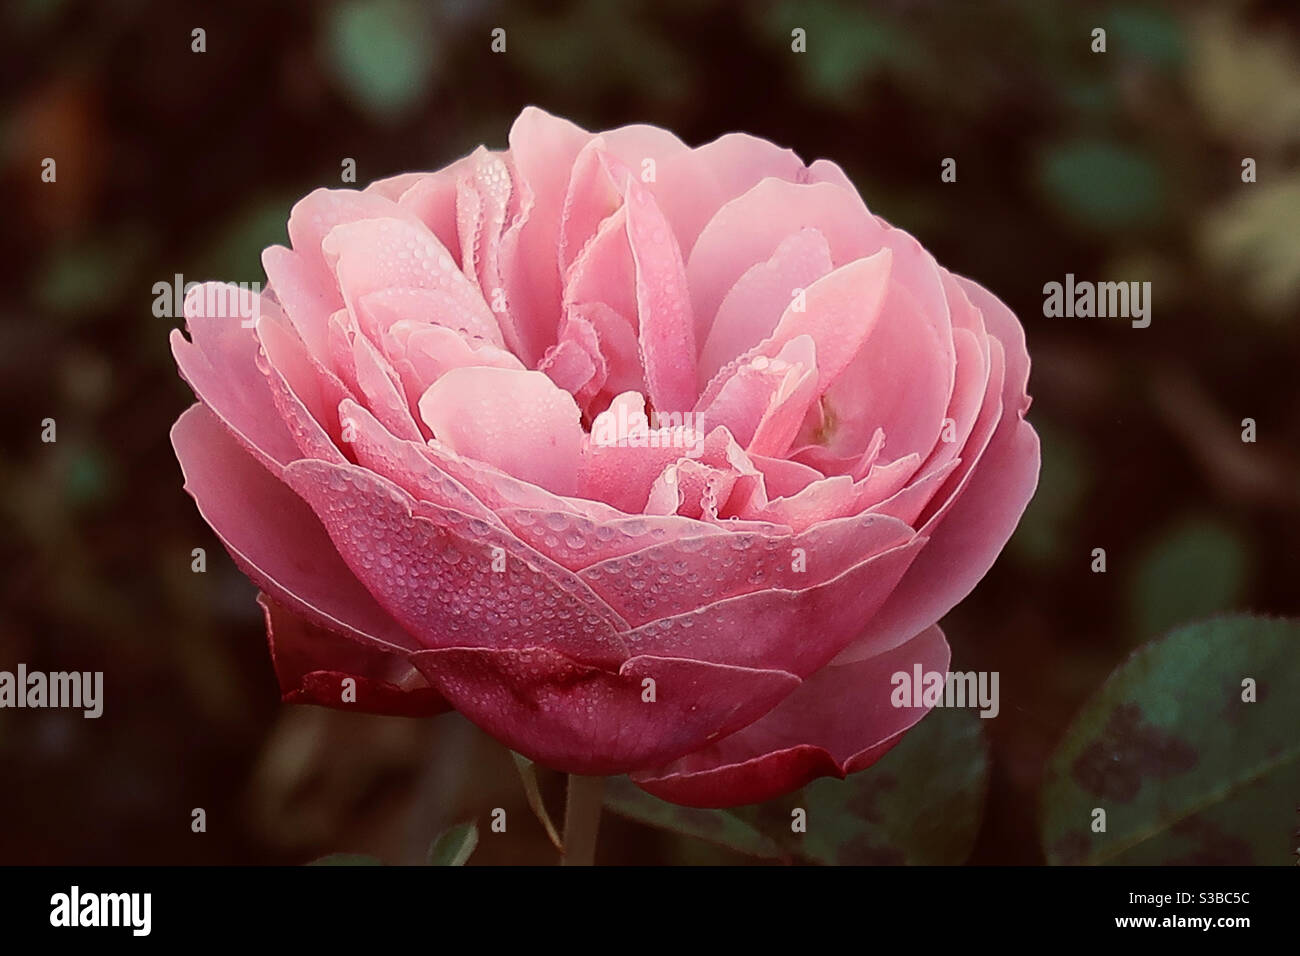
pixel 1117 166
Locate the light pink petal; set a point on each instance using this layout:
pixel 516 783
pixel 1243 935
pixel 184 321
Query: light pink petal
pixel 992 488
pixel 619 348
pixel 220 363
pixel 604 271
pixel 575 363
pixel 432 351
pixel 751 310
pixel 782 477
pixel 432 200
pixel 665 329
pixel 748 230
pixel 316 214
pixel 407 465
pixel 840 720
pixel 379 311
pixel 692 186
pixel 826 171
pixel 543 148
pixel 377 254
pixel 765 400
pixel 484 198
pixel 519 422
pixel 298 392
pixel 592 197
pixel 392 187
pixel 908 502
pixel 382 390
pixel 306 300
pixel 901 381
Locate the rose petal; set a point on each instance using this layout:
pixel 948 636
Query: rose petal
pixel 220 364
pixel 312 664
pixel 576 718
pixel 519 422
pixel 273 536
pixel 839 721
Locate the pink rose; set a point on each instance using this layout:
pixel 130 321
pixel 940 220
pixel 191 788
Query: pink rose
pixel 644 458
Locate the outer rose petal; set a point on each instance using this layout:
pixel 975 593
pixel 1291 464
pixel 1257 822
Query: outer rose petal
pixel 220 366
pixel 312 663
pixel 582 719
pixel 968 533
pixel 274 537
pixel 839 721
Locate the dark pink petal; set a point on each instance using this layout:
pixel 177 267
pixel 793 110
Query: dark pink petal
pixel 791 630
pixel 683 575
pixel 840 720
pixel 577 718
pixel 312 664
pixel 450 579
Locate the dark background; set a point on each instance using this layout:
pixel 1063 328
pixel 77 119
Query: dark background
pixel 1123 165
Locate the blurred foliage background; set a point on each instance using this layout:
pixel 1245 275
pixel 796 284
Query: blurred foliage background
pixel 1124 165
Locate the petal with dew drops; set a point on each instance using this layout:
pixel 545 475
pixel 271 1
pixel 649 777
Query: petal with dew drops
pixel 840 720
pixel 520 422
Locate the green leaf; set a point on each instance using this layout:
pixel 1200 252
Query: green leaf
pixel 723 827
pixel 922 803
pixel 533 792
pixel 1196 570
pixel 454 845
pixel 346 859
pixel 1103 185
pixel 1185 769
pixel 383 52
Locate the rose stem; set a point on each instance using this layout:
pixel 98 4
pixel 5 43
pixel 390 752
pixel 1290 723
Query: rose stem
pixel 582 819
